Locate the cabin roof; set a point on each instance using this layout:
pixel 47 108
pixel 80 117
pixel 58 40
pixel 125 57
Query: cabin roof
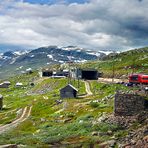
pixel 69 86
pixel 7 82
pixel 19 84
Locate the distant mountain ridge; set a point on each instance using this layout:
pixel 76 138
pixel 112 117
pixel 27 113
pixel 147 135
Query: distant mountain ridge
pixel 18 61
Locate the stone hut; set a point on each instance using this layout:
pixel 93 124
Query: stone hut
pixel 1 101
pixel 68 91
pixel 128 104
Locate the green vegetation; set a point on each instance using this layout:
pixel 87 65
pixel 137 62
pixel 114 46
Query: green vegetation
pixel 125 63
pixel 50 123
pixel 70 123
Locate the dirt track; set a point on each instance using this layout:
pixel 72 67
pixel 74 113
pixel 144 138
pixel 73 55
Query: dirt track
pixel 24 115
pixel 110 80
pixel 87 87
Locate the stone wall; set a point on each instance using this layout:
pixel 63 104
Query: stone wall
pixel 128 104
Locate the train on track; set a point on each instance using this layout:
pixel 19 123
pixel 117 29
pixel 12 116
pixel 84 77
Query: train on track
pixel 138 79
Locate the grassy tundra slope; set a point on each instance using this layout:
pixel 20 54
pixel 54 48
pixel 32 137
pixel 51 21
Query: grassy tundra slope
pixel 124 63
pixel 68 123
pixel 72 122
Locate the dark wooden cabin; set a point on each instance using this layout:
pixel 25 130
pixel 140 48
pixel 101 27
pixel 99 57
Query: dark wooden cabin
pixel 86 74
pixel 68 91
pixel 89 74
pixel 46 73
pixel 5 84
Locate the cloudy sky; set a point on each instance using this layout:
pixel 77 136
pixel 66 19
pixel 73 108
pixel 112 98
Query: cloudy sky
pixel 93 24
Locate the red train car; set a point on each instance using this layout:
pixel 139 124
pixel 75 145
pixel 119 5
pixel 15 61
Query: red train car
pixel 138 79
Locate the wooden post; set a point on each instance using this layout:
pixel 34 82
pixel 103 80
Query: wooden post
pixel 113 74
pixel 1 102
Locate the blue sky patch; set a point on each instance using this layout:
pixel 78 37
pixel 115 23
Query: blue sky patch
pixel 55 1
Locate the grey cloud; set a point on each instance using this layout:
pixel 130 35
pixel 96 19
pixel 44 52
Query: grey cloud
pixel 109 24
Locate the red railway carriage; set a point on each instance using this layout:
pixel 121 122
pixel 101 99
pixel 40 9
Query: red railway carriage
pixel 138 79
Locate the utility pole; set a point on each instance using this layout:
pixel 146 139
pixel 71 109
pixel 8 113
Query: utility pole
pixel 68 72
pixel 113 69
pixel 78 75
pixel 69 76
pixel 133 66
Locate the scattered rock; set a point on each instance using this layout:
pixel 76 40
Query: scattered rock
pixel 139 143
pixel 9 146
pixel 107 144
pixel 43 119
pixel 61 116
pixel 19 111
pixel 145 139
pixel 95 133
pixel 102 118
pixel 67 120
pixel 112 143
pixel 81 121
pixel 101 134
pixel 109 133
pixel 133 142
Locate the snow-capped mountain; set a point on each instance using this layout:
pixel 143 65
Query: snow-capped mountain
pixel 20 60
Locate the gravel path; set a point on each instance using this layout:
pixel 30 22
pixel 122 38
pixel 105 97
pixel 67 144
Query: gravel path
pixel 110 80
pixel 88 91
pixel 25 114
pixel 87 87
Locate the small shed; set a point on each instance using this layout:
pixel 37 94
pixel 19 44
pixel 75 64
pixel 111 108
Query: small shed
pixel 1 101
pixel 61 73
pixel 5 84
pixel 45 73
pixel 68 91
pixel 29 71
pixel 18 84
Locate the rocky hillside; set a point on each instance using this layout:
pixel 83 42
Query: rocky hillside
pixel 18 61
pixel 34 115
pixel 122 64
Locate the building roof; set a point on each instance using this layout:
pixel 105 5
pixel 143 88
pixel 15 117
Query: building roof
pixel 19 84
pixel 65 70
pixel 5 85
pixel 58 77
pixel 88 69
pixel 46 70
pixel 29 69
pixel 69 86
pixel 7 82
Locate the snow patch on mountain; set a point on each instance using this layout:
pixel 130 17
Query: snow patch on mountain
pixel 32 56
pixel 19 53
pixel 93 53
pixel 106 52
pixel 50 56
